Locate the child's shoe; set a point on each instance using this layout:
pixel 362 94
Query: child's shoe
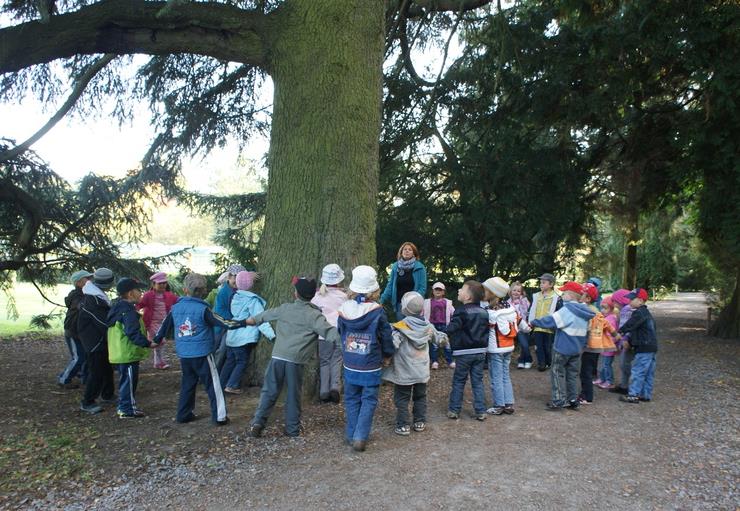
pixel 480 416
pixel 552 407
pixel 359 445
pixel 645 399
pixel 404 430
pixel 232 390
pixel 582 401
pixel 508 409
pixel 453 415
pixel 255 430
pixel 495 410
pixel 527 365
pixel 597 382
pixel 334 396
pixel 223 422
pixel 419 426
pixel 630 399
pixel 91 409
pixel 435 365
pixel 574 405
pixel 451 365
pixel 136 414
pixel 520 365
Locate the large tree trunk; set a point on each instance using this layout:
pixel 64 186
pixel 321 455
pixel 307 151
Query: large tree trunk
pixel 632 238
pixel 326 63
pixel 727 325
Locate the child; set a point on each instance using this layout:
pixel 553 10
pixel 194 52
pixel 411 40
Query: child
pixel 544 303
pixel 625 356
pixel 127 345
pixel 606 374
pixel 299 324
pixel 468 333
pixel 502 322
pixel 409 368
pixel 76 365
pixel 157 303
pixel 92 327
pixel 239 343
pixel 597 342
pixel 193 323
pixel 329 298
pixel 222 307
pixel 571 324
pixel 366 342
pixel 518 300
pixel 643 342
pixel 438 311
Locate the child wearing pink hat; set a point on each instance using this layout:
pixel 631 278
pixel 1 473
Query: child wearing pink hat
pixel 619 297
pixel 156 304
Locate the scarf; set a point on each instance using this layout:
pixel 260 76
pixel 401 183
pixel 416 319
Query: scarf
pixel 405 265
pixel 91 289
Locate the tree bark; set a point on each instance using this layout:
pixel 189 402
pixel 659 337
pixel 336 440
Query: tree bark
pixel 727 325
pixel 326 64
pixel 632 239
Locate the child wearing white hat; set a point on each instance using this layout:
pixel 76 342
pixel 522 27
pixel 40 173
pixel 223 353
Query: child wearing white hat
pixel 503 321
pixel 329 298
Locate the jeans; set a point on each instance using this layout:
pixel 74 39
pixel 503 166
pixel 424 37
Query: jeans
pixel 236 361
pixel 589 362
pixel 330 367
pixel 434 348
pixel 76 365
pixel 625 364
pixel 468 365
pixel 200 369
pixel 524 355
pixel 498 371
pixel 402 394
pixel 360 402
pixel 279 373
pixel 99 377
pixel 606 373
pixel 643 375
pixel 127 383
pixel 564 378
pixel 543 341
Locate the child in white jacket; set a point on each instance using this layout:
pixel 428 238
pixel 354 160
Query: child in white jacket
pixel 503 321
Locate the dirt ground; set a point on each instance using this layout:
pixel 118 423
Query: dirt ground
pixel 678 452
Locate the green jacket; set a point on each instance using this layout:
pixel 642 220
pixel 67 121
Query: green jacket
pixel 126 334
pixel 298 326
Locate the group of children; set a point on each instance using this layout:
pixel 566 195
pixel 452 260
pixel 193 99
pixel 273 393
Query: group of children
pixel 357 340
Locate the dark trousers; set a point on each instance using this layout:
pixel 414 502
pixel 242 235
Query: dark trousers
pixel 236 362
pixel 279 373
pixel 76 365
pixel 127 383
pixel 589 361
pixel 465 365
pixel 543 342
pixel 99 377
pixel 401 396
pixel 203 370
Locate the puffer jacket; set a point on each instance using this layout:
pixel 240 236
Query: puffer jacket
pixel 244 305
pixel 500 322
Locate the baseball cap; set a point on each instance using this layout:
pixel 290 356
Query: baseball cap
pixel 591 290
pixel 572 286
pixel 81 274
pixel 439 285
pixel 126 284
pixel 547 276
pixel 638 293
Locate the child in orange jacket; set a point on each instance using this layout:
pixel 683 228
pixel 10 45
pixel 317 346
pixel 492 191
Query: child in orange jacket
pixel 598 341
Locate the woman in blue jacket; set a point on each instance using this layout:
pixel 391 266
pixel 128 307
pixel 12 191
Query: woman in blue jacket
pixel 407 274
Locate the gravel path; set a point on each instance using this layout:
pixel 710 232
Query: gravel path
pixel 678 452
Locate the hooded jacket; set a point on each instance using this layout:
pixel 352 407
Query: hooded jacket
pixel 127 340
pixel 468 330
pixel 92 321
pixel 244 305
pixel 500 321
pixel 641 329
pixel 571 322
pixel 599 338
pixel 366 339
pixel 72 301
pixel 411 338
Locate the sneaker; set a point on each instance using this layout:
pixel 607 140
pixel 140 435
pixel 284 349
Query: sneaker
pixel 542 369
pixel 520 365
pixel 451 365
pixel 419 426
pixel 608 386
pixel 232 390
pixel 324 398
pixel 334 396
pixel 574 405
pixel 223 422
pixel 453 415
pixel 435 365
pixel 596 382
pixel 508 409
pixel 645 399
pixel 527 365
pixel 136 414
pixel 255 430
pixel 552 407
pixel 110 400
pixel 630 399
pixel 359 445
pixel 480 416
pixel 92 408
pixel 162 365
pixel 404 430
pixel 582 401
pixel 495 410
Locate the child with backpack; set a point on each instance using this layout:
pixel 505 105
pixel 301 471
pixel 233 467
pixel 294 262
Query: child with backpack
pixel 606 373
pixel 366 341
pixel 598 341
pixel 503 326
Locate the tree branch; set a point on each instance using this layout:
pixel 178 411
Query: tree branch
pixel 137 26
pixel 419 7
pixel 79 88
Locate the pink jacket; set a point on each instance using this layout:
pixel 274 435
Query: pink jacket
pixel 147 303
pixel 428 309
pixel 330 303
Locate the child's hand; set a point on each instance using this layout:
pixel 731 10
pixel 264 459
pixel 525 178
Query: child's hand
pixel 626 346
pixel 387 361
pixel 250 322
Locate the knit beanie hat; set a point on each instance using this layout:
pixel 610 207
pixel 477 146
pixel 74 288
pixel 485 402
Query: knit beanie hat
pixel 412 304
pixel 332 274
pixel 620 296
pixel 103 278
pixel 159 277
pixel 193 281
pixel 497 286
pixel 364 280
pixel 81 274
pixel 245 280
pixel 306 288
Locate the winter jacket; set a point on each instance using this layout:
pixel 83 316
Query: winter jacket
pixel 191 323
pixel 366 338
pixel 390 293
pixel 410 363
pixel 468 330
pixel 555 304
pixel 92 321
pixel 613 321
pixel 245 305
pixel 599 334
pixel 222 306
pixel 72 301
pixel 127 340
pixel 641 329
pixel 427 310
pixel 147 303
pixel 299 324
pixel 571 322
pixel 500 323
pixel 330 303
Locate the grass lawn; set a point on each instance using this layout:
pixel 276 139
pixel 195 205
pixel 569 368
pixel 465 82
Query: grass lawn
pixel 29 303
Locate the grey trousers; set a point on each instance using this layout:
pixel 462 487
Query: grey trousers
pixel 277 374
pixel 564 377
pixel 330 367
pixel 402 394
pixel 625 364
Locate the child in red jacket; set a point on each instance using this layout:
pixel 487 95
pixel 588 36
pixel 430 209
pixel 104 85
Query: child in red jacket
pixel 157 303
